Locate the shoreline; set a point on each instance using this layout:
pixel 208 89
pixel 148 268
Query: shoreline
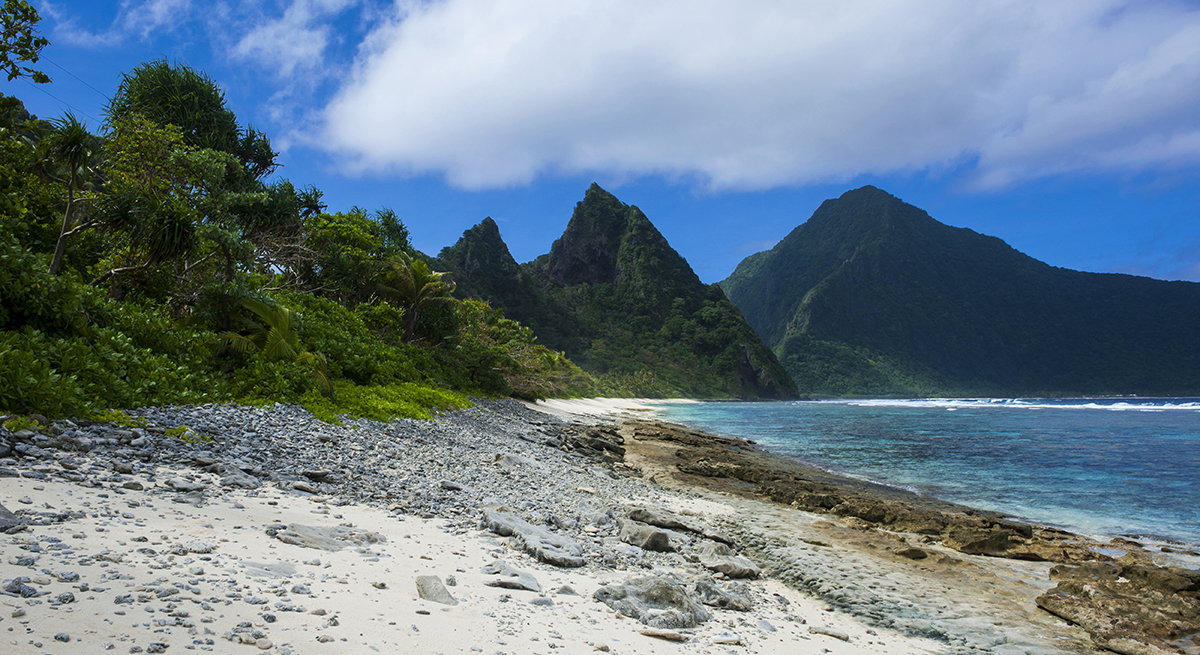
pixel 580 504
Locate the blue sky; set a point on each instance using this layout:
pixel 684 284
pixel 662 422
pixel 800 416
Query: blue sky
pixel 1070 130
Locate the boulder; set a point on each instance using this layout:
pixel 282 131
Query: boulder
pixel 722 559
pixel 546 546
pixel 332 538
pixel 659 602
pixel 645 536
pixel 430 587
pixel 725 596
pixel 508 577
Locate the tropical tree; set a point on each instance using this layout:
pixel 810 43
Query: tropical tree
pixel 72 146
pixel 414 286
pixel 18 41
pixel 278 339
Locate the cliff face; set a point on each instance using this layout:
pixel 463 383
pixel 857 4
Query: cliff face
pixel 871 295
pixel 621 302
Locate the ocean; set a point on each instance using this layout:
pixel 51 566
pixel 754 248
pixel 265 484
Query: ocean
pixel 1101 467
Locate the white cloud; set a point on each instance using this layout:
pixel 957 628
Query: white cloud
pixel 757 93
pixel 295 41
pixel 134 19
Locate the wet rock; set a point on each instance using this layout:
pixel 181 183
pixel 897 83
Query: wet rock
pixel 1128 608
pixel 508 577
pixel 660 602
pixel 430 588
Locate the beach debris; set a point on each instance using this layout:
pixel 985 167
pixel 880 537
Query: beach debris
pixel 659 602
pixel 508 577
pixel 430 588
pixel 829 632
pixel 668 635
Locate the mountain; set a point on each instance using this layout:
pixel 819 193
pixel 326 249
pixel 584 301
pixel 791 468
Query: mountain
pixel 873 296
pixel 622 304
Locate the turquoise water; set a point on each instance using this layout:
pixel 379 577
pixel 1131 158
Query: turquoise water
pixel 1102 467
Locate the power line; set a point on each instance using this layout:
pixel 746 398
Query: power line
pixel 77 77
pixel 39 88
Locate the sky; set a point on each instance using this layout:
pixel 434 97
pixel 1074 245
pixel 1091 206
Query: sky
pixel 1069 129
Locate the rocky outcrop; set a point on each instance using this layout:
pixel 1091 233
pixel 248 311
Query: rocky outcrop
pixel 1129 608
pixel 659 602
pixel 546 546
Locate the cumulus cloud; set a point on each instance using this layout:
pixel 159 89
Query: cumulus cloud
pixel 760 93
pixel 296 40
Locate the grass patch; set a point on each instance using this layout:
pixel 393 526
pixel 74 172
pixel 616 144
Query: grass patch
pixel 381 402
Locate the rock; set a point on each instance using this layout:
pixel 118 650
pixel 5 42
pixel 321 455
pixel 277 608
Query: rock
pixel 659 602
pixel 430 587
pixel 509 577
pixel 661 518
pixel 10 521
pixel 544 545
pixel 510 462
pixel 645 536
pixel 912 553
pixel 1128 608
pixel 725 596
pixel 829 632
pixel 198 547
pixel 234 477
pixel 300 485
pixel 721 558
pixel 179 484
pixel 327 538
pixel 450 485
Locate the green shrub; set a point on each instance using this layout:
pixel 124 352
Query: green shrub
pixel 381 402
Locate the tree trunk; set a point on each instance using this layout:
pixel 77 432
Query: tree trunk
pixel 61 247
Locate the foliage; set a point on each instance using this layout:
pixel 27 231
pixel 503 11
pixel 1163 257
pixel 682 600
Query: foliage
pixel 414 286
pixel 350 249
pixel 18 41
pixel 381 402
pixel 18 423
pixel 278 339
pixel 119 419
pixel 186 435
pixel 618 300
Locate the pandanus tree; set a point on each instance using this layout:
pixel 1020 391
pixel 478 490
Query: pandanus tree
pixel 278 339
pixel 413 286
pixel 72 149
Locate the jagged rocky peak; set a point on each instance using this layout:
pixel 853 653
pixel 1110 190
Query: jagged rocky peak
pixel 480 248
pixel 587 251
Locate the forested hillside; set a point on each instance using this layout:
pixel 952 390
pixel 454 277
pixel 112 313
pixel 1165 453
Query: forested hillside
pixel 157 259
pixel 623 304
pixel 873 296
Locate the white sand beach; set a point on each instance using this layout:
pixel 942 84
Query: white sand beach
pixel 141 566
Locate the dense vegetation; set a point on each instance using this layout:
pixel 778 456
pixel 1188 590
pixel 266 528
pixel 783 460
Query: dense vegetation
pixel 873 296
pixel 618 300
pixel 158 261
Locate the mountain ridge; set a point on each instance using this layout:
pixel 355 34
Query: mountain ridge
pixel 872 295
pixel 621 302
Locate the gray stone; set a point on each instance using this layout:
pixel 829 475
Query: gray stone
pixel 509 577
pixel 430 587
pixel 179 484
pixel 660 602
pixel 544 545
pixel 330 538
pixel 721 558
pixel 644 536
pixel 725 596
